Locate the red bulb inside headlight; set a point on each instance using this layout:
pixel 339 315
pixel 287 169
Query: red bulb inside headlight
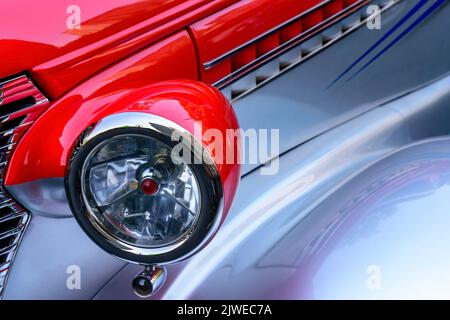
pixel 149 186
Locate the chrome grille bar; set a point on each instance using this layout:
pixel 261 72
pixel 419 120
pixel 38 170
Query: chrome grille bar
pixel 21 103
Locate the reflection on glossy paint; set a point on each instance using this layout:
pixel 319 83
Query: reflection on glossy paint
pixel 382 235
pixel 45 34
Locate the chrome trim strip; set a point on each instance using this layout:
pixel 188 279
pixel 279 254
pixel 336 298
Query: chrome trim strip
pixel 303 59
pixel 12 254
pixel 283 48
pixel 3 267
pixel 7 249
pixel 214 62
pixel 8 85
pixel 12 216
pixel 6 203
pixel 7 146
pixel 7 132
pixel 3 83
pixel 11 232
pixel 12 130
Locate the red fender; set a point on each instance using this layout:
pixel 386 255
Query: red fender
pixel 45 149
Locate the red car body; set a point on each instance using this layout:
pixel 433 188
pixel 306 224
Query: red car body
pixel 145 41
pixel 175 37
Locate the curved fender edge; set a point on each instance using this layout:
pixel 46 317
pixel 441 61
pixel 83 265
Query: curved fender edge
pixel 45 150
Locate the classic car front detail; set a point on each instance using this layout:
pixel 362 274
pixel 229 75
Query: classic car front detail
pixel 132 197
pixel 107 165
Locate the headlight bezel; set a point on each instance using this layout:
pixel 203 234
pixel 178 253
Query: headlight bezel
pixel 205 172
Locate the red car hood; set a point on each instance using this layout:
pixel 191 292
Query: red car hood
pixel 33 32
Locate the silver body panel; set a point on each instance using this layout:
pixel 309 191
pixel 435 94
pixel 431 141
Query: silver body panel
pixel 260 248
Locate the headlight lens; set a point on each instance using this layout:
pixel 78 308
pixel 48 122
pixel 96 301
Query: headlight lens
pixel 138 194
pixel 136 198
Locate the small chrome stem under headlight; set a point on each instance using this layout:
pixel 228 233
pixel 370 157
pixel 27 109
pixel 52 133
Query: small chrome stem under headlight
pixel 149 281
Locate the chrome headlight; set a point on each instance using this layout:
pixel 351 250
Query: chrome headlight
pixel 135 198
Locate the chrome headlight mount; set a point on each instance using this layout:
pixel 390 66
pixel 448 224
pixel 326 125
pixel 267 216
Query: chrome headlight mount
pixel 134 201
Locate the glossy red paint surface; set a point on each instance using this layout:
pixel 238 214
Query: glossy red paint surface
pixel 232 35
pixel 237 24
pixel 33 32
pixel 60 58
pixel 122 88
pixel 168 59
pixel 34 35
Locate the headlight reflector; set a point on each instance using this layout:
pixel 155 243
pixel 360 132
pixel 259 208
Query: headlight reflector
pixel 137 193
